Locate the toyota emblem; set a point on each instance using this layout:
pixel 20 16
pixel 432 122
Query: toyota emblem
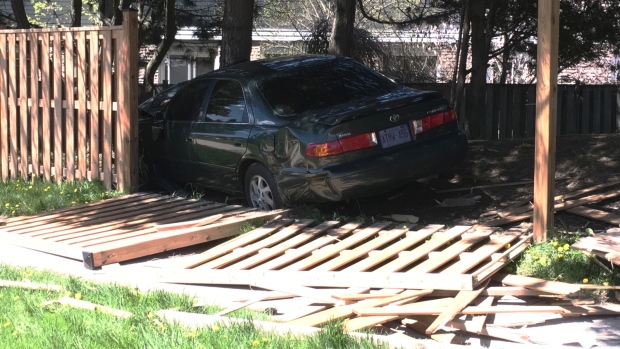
pixel 394 117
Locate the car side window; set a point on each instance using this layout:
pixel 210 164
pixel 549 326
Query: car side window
pixel 226 103
pixel 187 103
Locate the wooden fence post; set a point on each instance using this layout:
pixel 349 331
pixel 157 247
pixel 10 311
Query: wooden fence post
pixel 127 115
pixel 4 111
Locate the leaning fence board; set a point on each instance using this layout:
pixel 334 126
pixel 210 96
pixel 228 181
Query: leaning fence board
pixel 555 287
pixel 598 215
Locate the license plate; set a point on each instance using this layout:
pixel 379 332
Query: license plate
pixel 394 136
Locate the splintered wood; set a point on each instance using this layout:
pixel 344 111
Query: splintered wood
pixel 432 280
pixel 127 227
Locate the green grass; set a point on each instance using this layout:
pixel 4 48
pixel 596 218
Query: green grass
pixel 25 322
pixel 20 197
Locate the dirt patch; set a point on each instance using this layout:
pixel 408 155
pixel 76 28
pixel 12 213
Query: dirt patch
pixel 581 161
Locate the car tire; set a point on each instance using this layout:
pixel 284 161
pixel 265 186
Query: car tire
pixel 261 190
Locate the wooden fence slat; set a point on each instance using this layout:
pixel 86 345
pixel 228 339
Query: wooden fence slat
pixel 12 106
pixel 570 110
pixel 531 111
pixel 34 103
pixel 70 110
pixel 607 109
pixel 517 117
pixel 23 105
pixel 503 111
pixel 585 111
pixel 596 112
pixel 4 110
pixel 58 122
pixel 488 118
pixel 80 44
pixel 106 72
pixel 93 144
pixel 617 108
pixel 45 99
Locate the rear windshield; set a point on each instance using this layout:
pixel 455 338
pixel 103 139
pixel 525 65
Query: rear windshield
pixel 323 85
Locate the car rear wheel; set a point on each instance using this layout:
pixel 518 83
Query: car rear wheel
pixel 260 188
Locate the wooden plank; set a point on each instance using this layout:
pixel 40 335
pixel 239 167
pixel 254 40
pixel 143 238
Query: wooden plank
pixel 453 251
pixel 245 251
pixel 80 44
pixel 558 207
pixel 148 244
pixel 483 187
pixel 570 110
pixel 361 251
pixel 426 309
pixel 242 305
pixel 186 225
pixel 555 287
pixel 335 249
pixel 254 235
pixel 320 295
pixel 93 88
pixel 80 304
pixel 276 250
pixel 488 118
pixel 596 112
pixel 585 110
pixel 23 105
pixel 503 111
pixel 608 108
pixel 41 245
pixel 494 332
pixel 460 302
pixel 530 112
pixel 478 321
pixel 30 285
pixel 13 107
pixel 34 103
pixel 70 110
pixel 106 118
pixel 482 253
pixel 314 278
pixel 4 109
pixel 58 120
pixel 518 117
pixel 422 251
pixel 347 310
pixel 498 261
pixel 413 238
pixel 46 87
pixel 598 215
pixel 301 252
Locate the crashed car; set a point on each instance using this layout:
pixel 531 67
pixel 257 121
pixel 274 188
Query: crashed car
pixel 299 129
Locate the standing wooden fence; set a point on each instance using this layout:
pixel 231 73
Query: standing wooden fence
pixel 511 109
pixel 68 103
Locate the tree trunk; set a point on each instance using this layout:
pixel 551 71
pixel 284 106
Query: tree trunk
pixel 237 32
pixel 479 60
pixel 20 14
pixel 342 30
pixel 462 67
pixel 76 13
pixel 106 11
pixel 161 51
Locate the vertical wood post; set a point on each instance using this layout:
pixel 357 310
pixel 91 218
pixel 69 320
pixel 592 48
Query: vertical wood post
pixel 546 116
pixel 4 110
pixel 127 115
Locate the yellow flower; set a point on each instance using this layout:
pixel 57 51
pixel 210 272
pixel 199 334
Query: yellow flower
pixel 507 245
pixel 265 339
pixel 149 315
pixel 30 187
pixel 75 190
pixel 16 206
pixel 560 255
pixel 16 298
pixel 1 295
pixel 7 205
pixel 192 334
pixel 60 193
pixel 560 249
pixel 255 343
pixel 67 293
pixel 131 329
pixel 6 324
pixel 555 243
pixel 566 247
pixel 585 280
pixel 13 212
pixel 543 261
pixel 14 333
pixel 33 175
pixel 215 328
pixel 78 296
pixel 605 283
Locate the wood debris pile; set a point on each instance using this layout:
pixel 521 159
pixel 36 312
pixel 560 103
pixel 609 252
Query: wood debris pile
pixel 435 280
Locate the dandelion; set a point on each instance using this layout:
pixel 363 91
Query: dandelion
pixel 560 249
pixel 149 315
pixel 14 333
pixel 566 247
pixel 265 339
pixel 192 334
pixel 6 324
pixel 543 261
pixel 78 295
pixel 16 298
pixel 555 243
pixel 1 295
pixel 34 175
pixel 255 343
pixel 605 283
pixel 67 293
pixel 215 328
pixel 60 193
pixel 13 212
pixel 75 190
pixel 16 206
pixel 7 205
pixel 30 187
pixel 585 280
pixel 560 255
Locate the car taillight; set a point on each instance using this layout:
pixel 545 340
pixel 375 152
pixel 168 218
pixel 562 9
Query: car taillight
pixel 342 145
pixel 428 122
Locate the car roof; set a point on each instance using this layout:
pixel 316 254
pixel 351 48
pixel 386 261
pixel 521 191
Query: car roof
pixel 263 67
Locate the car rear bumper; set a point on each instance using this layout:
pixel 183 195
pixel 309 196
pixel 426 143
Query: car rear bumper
pixel 372 176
